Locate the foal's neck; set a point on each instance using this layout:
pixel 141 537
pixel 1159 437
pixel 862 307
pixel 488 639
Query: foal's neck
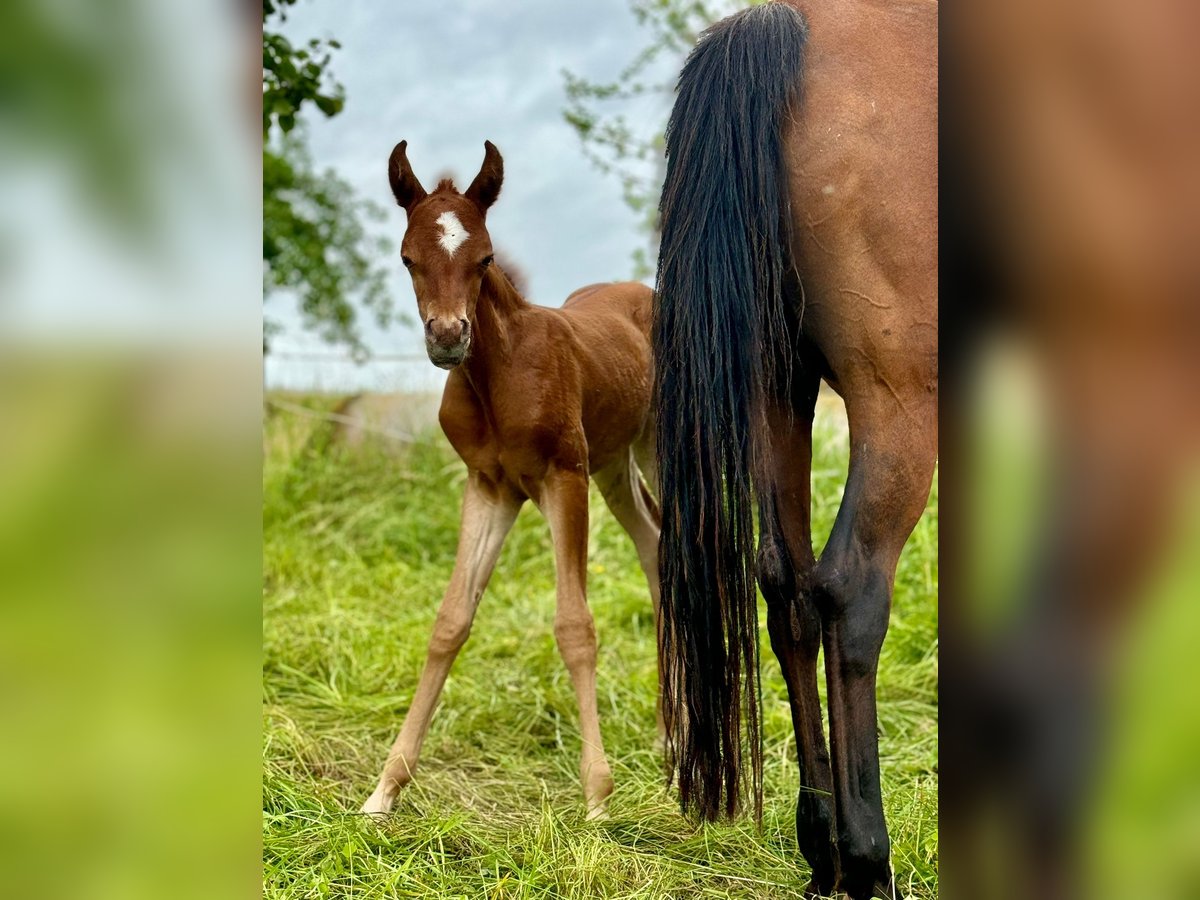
pixel 495 318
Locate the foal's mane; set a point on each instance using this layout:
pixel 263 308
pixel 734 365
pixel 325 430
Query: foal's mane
pixel 505 297
pixel 510 270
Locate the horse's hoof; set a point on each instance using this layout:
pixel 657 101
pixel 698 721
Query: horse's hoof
pixel 815 889
pixel 379 804
pixel 597 813
pixel 881 891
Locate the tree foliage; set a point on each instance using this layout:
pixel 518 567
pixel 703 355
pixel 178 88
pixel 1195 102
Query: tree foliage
pixel 314 242
pixel 631 152
pixel 293 76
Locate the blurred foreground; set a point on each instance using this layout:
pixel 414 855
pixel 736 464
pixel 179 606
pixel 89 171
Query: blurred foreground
pixel 1073 386
pixel 130 361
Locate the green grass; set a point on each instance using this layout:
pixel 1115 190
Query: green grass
pixel 357 551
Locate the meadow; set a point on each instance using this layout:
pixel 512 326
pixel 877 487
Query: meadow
pixel 358 547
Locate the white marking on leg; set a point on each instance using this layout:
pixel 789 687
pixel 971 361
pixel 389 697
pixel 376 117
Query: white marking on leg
pixel 453 233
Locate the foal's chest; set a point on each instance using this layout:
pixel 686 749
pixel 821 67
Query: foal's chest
pixel 503 445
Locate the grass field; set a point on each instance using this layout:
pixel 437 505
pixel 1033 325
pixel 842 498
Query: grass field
pixel 357 550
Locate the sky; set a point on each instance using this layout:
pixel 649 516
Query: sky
pixel 445 77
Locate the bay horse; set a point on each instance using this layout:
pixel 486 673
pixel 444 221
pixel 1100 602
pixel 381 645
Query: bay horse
pixel 537 401
pixel 799 244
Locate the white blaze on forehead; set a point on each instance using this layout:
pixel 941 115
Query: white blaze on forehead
pixel 453 233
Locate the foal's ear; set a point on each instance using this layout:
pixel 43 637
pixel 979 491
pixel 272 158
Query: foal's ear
pixel 405 187
pixel 486 187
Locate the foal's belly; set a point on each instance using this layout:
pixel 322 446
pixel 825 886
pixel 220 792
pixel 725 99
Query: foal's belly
pixel 522 465
pixel 519 455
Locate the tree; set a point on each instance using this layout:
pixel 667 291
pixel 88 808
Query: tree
pixel 314 242
pixel 634 154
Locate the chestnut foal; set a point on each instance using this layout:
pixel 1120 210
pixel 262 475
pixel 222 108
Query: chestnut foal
pixel 537 400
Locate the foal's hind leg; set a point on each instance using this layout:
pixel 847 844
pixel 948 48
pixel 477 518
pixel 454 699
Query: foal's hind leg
pixel 487 515
pixel 645 454
pixel 636 512
pixel 785 564
pixel 893 447
pixel 565 503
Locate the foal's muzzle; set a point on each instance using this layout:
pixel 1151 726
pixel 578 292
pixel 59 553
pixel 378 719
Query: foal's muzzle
pixel 447 340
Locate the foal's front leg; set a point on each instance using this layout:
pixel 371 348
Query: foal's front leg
pixel 487 515
pixel 565 504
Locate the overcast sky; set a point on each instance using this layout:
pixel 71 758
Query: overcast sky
pixel 445 77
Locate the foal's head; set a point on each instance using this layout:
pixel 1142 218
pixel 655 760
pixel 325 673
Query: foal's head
pixel 446 250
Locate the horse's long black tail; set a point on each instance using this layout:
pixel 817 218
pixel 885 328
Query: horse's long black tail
pixel 719 339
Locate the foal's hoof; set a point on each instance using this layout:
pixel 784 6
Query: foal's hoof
pixel 597 805
pixel 380 803
pixel 662 747
pixel 597 813
pixel 597 786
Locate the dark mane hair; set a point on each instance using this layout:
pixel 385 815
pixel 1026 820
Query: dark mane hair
pixel 719 320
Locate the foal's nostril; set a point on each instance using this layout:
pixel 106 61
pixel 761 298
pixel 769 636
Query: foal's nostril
pixel 447 332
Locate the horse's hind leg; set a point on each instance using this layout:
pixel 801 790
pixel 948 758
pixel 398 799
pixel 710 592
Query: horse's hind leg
pixel 487 515
pixel 564 502
pixel 636 512
pixel 893 448
pixel 785 563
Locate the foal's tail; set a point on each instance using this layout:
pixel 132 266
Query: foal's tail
pixel 719 337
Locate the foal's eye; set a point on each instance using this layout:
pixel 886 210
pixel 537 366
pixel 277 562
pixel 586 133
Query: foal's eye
pixel 485 262
pixel 407 262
